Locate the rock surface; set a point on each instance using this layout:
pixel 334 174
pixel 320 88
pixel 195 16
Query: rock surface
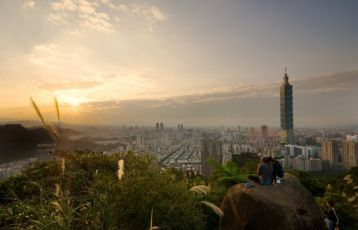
pixel 285 206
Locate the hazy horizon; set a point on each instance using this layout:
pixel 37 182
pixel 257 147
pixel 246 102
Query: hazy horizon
pixel 141 62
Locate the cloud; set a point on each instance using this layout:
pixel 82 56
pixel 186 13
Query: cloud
pixel 156 14
pixel 208 96
pixel 252 104
pixel 96 16
pixel 68 85
pixel 64 5
pixel 58 19
pixel 58 56
pixel 84 15
pixel 45 54
pixel 99 22
pixel 29 4
pixel 152 13
pixel 328 84
pixel 338 82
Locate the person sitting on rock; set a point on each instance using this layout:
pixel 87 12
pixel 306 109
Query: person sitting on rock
pixel 263 173
pixel 331 219
pixel 277 170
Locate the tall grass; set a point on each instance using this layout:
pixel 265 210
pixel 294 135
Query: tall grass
pixel 57 113
pixel 51 130
pixel 120 171
pixel 38 112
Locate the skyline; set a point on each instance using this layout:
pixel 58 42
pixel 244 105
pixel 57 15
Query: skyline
pixel 138 62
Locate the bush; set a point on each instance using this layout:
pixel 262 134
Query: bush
pixel 88 194
pixel 313 185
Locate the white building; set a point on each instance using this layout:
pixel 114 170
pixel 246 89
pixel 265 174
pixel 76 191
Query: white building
pixel 352 138
pixel 306 151
pixel 302 163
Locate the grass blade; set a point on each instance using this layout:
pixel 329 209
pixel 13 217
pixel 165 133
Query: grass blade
pixel 213 207
pixel 57 112
pixel 38 112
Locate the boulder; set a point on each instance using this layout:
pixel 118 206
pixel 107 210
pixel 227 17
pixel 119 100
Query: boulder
pixel 286 206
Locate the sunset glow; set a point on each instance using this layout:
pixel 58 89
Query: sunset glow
pixel 178 54
pixel 72 101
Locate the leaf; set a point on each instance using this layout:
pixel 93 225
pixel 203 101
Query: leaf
pixel 213 207
pixel 57 205
pixel 200 189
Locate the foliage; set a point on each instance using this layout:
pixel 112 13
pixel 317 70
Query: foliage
pixel 89 195
pixel 228 174
pixel 313 185
pixel 343 191
pixel 247 162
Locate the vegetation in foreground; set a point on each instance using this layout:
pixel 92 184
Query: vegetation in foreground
pixel 341 189
pixel 92 191
pixel 83 191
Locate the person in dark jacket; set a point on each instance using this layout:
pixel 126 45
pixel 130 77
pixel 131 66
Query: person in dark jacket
pixel 331 219
pixel 264 173
pixel 277 170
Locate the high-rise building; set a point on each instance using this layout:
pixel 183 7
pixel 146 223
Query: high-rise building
pixel 210 149
pixel 157 126
pixel 286 108
pixel 140 140
pixel 161 126
pixel 180 126
pixel 330 153
pixel 350 154
pixel 264 131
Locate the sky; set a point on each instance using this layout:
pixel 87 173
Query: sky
pixel 212 62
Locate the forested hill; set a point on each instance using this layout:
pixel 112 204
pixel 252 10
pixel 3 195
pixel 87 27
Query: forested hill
pixel 18 142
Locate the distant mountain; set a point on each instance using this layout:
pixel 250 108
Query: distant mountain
pixel 67 132
pixel 25 123
pixel 17 142
pixel 5 119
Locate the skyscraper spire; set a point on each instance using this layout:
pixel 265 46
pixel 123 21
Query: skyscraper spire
pixel 285 77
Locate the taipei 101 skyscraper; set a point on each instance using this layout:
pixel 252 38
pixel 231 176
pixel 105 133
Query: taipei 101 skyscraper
pixel 286 106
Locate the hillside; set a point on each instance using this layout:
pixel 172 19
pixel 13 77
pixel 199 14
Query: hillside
pixel 83 191
pixel 18 142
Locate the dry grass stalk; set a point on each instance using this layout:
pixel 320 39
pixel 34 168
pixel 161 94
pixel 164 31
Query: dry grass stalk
pixel 200 189
pixel 347 177
pixel 63 165
pixel 52 131
pixel 57 206
pixel 213 207
pixel 151 227
pixel 37 110
pixel 120 172
pixel 57 190
pixel 57 112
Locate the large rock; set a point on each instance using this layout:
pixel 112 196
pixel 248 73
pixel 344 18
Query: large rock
pixel 285 206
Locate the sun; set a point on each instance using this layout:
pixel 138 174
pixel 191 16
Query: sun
pixel 73 101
